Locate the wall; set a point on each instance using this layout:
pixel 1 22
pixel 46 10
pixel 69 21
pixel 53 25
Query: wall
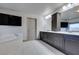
pixel 10 32
pixel 21 32
pixel 43 24
pixel 40 24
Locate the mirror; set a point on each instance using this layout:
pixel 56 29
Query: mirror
pixel 72 17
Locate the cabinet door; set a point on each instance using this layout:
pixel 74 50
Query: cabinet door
pixel 56 40
pixel 59 41
pixel 53 39
pixel 43 36
pixel 50 37
pixel 71 44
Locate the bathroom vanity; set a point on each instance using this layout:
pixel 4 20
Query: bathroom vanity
pixel 67 42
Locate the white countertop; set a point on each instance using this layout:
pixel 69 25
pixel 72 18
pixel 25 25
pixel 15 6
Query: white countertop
pixel 69 33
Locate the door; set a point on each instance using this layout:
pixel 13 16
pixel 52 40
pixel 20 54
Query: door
pixel 31 26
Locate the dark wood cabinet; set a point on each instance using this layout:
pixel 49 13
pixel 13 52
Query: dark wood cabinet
pixel 58 41
pixel 69 44
pixel 43 36
pixel 55 21
pixel 53 39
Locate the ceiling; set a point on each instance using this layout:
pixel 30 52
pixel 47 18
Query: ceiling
pixel 31 8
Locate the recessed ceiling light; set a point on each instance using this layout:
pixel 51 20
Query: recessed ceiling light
pixel 68 6
pixel 64 7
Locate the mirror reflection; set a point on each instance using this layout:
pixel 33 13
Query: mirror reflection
pixel 70 17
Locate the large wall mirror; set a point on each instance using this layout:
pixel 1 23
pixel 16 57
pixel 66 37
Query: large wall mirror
pixel 71 16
